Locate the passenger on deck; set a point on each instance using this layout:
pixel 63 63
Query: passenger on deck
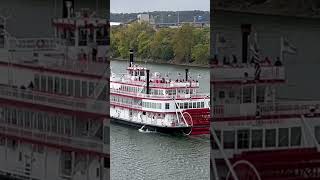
pixel 234 59
pixel 226 61
pixel 30 85
pixel 267 61
pixel 278 62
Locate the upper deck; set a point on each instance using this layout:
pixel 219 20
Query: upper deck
pixel 246 73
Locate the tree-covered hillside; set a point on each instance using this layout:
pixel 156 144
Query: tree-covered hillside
pixel 183 45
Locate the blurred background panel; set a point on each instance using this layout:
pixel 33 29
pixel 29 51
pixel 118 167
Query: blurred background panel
pixel 20 12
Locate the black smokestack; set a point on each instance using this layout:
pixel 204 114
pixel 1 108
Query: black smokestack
pixel 148 81
pixel 246 30
pixel 65 10
pixel 187 72
pixel 131 58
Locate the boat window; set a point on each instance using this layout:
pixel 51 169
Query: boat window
pixel 27 120
pixel 194 104
pixel 243 139
pixel 198 104
pixel 56 85
pixel 54 124
pixel 185 105
pixel 46 122
pixel 181 105
pixel 20 118
pixel 283 137
pixel 228 139
pixel 43 83
pixel 77 88
pixel 221 94
pixel 40 122
pixel 256 138
pixel 82 37
pixel 247 93
pixel 190 105
pixel 91 88
pixel 2 141
pixel 317 133
pixel 35 121
pixel 295 136
pixel 260 94
pixel 50 84
pixel 36 82
pixel 231 94
pixel 67 125
pixel 167 106
pixel 202 104
pixel 84 89
pixel 2 36
pixel 8 120
pixel 63 86
pixel 270 138
pixel 214 145
pixel 70 87
pixel 14 117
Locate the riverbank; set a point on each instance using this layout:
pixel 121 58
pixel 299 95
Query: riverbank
pixel 162 62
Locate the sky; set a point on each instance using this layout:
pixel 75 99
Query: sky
pixel 130 6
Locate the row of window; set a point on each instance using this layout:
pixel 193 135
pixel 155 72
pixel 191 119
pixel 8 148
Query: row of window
pixel 64 86
pixel 247 94
pixel 152 105
pixel 123 100
pixel 190 105
pixel 41 121
pixel 260 138
pixel 133 89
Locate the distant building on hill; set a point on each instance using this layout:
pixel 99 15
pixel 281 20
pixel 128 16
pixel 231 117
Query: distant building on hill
pixel 145 18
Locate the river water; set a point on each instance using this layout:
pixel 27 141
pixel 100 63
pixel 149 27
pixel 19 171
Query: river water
pixel 155 156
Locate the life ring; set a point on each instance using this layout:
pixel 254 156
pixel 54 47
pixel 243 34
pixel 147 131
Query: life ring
pixel 40 43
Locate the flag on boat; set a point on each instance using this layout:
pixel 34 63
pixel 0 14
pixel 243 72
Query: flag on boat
pixel 256 57
pixel 287 47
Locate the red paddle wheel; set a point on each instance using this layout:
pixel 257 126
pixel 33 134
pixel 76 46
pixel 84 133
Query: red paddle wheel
pixel 289 164
pixel 198 120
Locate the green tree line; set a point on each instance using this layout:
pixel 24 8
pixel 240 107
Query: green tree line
pixel 186 44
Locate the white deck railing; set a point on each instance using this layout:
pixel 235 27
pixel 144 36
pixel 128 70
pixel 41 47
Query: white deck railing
pixel 277 108
pixel 64 102
pixel 55 139
pixel 238 73
pixel 173 84
pixel 33 43
pixel 150 96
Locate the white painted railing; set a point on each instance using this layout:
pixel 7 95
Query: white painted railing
pixel 64 102
pixel 33 43
pixel 238 73
pixel 277 108
pixel 142 95
pixel 289 107
pixel 54 139
pixel 172 84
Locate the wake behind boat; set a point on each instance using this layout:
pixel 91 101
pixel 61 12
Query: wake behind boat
pixel 157 102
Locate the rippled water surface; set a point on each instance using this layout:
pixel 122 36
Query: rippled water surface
pixel 154 156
